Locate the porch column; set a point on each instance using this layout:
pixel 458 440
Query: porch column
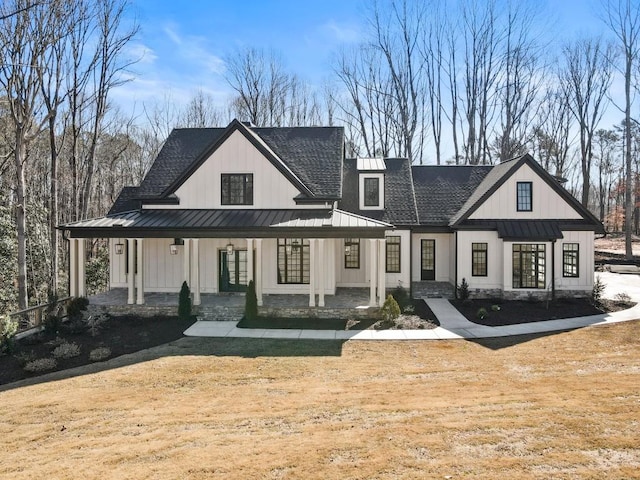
pixel 321 270
pixel 82 258
pixel 139 274
pixel 73 267
pixel 382 253
pixel 373 270
pixel 258 279
pixel 195 272
pixel 312 272
pixel 131 271
pixel 249 260
pixel 187 261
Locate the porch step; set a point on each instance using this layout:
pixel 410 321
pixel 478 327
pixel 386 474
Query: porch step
pixel 432 290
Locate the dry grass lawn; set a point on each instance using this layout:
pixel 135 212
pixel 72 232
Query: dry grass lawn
pixel 562 406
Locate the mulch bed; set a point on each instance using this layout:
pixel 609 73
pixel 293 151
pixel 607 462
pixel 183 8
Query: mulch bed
pixel 121 334
pixel 521 311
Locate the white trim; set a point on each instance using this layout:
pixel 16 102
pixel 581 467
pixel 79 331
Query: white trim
pixel 131 299
pixel 361 178
pixel 139 274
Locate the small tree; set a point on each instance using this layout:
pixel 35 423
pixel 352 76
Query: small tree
pixel 598 290
pixel 390 309
pixel 463 290
pixel 251 302
pixel 184 301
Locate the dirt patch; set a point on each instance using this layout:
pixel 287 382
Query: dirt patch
pixel 498 313
pixel 121 335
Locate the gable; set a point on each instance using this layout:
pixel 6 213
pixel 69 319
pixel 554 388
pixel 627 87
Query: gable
pixel 546 202
pixel 236 155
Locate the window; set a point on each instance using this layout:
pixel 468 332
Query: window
pixel 528 266
pixel 393 255
pixel 237 189
pixel 371 192
pixel 293 260
pixel 524 196
pixel 352 253
pixel 570 259
pixel 479 259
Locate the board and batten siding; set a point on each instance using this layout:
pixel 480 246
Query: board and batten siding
pixel 495 259
pixel 444 255
pixel 271 189
pixel 584 280
pixel 546 202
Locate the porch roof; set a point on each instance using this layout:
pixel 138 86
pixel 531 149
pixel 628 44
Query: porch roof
pixel 535 230
pixel 212 223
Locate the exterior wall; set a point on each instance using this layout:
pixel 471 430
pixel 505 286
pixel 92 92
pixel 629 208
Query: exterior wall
pixel 495 260
pixel 237 155
pixel 546 203
pixel 392 280
pixel 117 265
pixel 445 255
pixel 584 281
pixel 352 277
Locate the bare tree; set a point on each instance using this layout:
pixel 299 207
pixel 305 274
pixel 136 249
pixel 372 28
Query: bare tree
pixel 200 112
pixel 623 18
pixel 585 81
pixel 606 143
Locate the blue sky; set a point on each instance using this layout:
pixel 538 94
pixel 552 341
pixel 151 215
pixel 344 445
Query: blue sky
pixel 182 44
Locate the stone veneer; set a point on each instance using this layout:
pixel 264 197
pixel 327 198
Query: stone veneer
pixel 525 294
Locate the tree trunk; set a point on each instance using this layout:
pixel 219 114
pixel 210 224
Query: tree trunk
pixel 20 157
pixel 53 209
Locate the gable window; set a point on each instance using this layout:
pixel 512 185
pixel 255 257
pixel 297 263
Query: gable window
pixel 479 259
pixel 524 194
pixel 236 189
pixel 529 265
pixel 392 262
pixel 352 253
pixel 371 192
pixel 293 260
pixel 570 255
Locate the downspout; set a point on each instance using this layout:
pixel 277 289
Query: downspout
pixel 455 274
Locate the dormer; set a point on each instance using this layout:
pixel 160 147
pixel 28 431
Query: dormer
pixel 371 183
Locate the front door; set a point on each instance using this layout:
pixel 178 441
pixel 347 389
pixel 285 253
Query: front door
pixel 232 271
pixel 428 260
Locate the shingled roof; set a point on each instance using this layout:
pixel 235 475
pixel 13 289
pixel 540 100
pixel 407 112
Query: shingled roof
pixel 442 190
pixel 399 201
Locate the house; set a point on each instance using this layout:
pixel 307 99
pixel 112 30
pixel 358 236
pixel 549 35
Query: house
pixel 284 207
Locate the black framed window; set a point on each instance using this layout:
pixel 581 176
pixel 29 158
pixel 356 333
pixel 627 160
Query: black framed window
pixel 524 196
pixel 293 260
pixel 529 265
pixel 570 257
pixel 479 259
pixel 371 192
pixel 237 189
pixel 352 253
pixel 392 263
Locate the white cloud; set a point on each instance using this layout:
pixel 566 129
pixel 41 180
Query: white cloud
pixel 341 32
pixel 195 50
pixel 142 54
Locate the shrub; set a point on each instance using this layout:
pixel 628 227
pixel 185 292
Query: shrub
pixel 66 350
pixel 251 302
pixel 23 358
pixel 481 314
pixel 8 329
pixel 622 298
pixel 598 290
pixel 390 309
pixel 94 323
pixel 41 365
pixel 401 295
pixel 495 308
pixel 184 301
pixel 463 290
pixel 99 354
pixel 76 306
pixel 52 323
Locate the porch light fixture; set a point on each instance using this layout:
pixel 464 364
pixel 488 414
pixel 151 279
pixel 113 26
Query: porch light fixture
pixel 173 248
pixel 119 248
pixel 347 249
pixel 229 248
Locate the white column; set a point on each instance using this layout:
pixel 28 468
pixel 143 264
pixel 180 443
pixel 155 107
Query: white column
pixel 258 279
pixel 131 299
pixel 139 273
pixel 321 270
pixel 187 261
pixel 373 270
pixel 82 258
pixel 73 267
pixel 195 272
pixel 312 272
pixel 382 253
pixel 249 260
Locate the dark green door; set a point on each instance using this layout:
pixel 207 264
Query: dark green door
pixel 428 260
pixel 232 271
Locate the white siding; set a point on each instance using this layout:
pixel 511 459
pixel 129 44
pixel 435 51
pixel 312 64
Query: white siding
pixel 444 255
pixel 117 264
pixel 584 281
pixel 402 278
pixel 237 155
pixel 495 259
pixel 546 203
pixel 163 272
pixel 352 277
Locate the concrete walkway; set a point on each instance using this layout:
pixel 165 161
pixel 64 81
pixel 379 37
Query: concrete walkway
pixel 452 324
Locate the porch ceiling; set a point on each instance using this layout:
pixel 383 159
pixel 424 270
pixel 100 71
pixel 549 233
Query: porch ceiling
pixel 256 223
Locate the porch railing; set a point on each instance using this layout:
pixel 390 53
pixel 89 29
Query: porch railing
pixel 33 316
